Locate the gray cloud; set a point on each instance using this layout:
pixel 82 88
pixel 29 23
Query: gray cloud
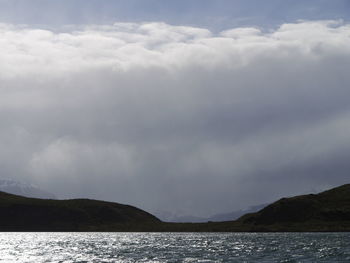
pixel 176 118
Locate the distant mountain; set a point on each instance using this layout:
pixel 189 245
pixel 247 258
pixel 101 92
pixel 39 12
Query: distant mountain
pixel 172 217
pixel 30 214
pixel 235 215
pixel 167 216
pixel 24 189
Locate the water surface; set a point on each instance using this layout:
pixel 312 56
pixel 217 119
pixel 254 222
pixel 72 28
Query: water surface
pixel 174 247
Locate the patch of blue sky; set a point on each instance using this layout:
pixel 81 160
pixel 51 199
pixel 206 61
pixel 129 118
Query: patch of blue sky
pixel 215 15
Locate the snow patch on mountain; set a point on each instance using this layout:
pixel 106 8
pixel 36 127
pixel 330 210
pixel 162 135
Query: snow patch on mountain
pixel 24 189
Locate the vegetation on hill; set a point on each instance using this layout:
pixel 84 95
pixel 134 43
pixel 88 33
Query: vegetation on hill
pixel 31 214
pixel 327 211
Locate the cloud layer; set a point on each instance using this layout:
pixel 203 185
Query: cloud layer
pixel 173 117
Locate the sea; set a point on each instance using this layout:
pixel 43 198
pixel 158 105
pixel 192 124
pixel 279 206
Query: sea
pixel 174 247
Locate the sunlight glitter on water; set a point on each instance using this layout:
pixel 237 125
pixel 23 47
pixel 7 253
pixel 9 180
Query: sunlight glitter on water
pixel 174 247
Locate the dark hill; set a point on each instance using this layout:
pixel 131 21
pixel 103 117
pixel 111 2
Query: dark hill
pixel 326 211
pixel 19 213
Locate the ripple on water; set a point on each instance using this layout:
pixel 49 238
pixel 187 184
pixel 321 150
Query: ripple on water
pixel 174 247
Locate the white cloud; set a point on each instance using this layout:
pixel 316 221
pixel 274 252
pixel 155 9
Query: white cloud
pixel 143 112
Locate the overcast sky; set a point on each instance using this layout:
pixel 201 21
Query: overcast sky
pixel 197 107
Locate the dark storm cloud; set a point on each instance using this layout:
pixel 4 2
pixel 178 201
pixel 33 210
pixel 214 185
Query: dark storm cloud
pixel 176 118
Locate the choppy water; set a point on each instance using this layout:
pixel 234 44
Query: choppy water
pixel 174 247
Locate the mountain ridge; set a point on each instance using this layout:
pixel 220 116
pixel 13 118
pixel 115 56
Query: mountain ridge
pixel 24 189
pixel 169 217
pixel 328 211
pixel 33 214
pixel 311 211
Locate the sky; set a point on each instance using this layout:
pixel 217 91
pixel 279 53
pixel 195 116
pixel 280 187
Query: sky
pixel 194 107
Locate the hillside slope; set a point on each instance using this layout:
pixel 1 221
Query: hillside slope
pixel 326 211
pixel 30 214
pixel 24 189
